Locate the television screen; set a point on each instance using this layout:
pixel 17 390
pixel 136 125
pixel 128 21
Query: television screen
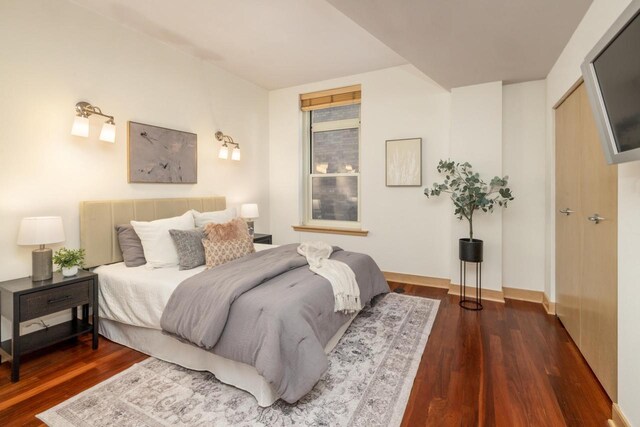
pixel 617 71
pixel 612 77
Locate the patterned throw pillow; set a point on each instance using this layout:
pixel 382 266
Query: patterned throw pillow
pixel 226 242
pixel 189 247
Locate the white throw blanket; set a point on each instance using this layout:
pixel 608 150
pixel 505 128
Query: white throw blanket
pixel 343 281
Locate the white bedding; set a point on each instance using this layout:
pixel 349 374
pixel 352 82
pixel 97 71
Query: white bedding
pixel 137 295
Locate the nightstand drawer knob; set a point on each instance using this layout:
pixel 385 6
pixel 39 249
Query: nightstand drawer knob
pixel 57 300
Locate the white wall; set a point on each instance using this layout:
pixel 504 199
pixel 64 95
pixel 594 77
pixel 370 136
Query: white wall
pixel 408 233
pixel 523 160
pixel 629 290
pixel 476 137
pixel 565 72
pixel 55 54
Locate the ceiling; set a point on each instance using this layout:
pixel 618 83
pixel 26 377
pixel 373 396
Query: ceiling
pixel 273 43
pixel 465 42
pixel 282 43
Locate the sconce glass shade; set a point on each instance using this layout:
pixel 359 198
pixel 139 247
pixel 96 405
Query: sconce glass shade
pixel 80 126
pixel 249 210
pixel 108 133
pixel 224 152
pixel 235 154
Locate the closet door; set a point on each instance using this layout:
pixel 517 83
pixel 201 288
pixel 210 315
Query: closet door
pixel 568 215
pixel 599 299
pixel 586 239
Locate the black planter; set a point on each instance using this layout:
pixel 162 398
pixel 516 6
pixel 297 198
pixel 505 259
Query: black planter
pixel 470 250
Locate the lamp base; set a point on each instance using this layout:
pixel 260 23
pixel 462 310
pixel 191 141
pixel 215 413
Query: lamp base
pixel 42 267
pixel 250 227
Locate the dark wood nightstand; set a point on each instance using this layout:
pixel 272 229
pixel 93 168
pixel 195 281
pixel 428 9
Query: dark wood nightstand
pixel 262 238
pixel 22 300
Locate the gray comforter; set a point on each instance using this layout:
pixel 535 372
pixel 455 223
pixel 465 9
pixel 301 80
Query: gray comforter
pixel 270 311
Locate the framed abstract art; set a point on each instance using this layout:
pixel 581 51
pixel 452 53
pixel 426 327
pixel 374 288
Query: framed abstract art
pixel 162 156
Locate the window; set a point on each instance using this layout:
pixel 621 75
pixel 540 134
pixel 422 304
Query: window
pixel 332 158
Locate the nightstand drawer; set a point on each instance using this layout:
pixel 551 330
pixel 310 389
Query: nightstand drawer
pixel 262 238
pixel 38 304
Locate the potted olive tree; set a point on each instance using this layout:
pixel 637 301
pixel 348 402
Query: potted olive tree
pixel 470 193
pixel 69 260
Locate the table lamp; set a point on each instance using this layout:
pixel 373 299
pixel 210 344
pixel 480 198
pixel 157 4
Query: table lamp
pixel 41 230
pixel 249 212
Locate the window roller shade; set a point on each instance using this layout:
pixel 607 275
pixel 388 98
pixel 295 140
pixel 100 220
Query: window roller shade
pixel 330 98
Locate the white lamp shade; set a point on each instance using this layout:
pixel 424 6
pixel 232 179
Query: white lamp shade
pixel 249 210
pixel 108 133
pixel 223 153
pixel 40 230
pixel 235 154
pixel 80 126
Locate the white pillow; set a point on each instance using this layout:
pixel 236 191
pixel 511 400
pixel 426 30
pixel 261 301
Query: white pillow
pixel 157 244
pixel 217 217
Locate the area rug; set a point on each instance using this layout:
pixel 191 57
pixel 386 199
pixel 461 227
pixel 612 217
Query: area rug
pixel 370 375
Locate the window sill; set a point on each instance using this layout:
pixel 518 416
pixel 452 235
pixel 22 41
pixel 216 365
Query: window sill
pixel 331 230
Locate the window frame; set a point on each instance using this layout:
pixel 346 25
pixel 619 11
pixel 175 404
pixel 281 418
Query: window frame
pixel 309 129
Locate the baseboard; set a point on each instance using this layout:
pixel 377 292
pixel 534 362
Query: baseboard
pixel 454 289
pixel 488 294
pixel 437 282
pixel 548 305
pixel 412 279
pixel 617 417
pixel 523 294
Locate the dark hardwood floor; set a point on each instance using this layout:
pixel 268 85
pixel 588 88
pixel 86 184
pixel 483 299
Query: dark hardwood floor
pixel 508 365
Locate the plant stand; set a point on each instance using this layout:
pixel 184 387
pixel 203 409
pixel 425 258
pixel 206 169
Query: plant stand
pixel 470 303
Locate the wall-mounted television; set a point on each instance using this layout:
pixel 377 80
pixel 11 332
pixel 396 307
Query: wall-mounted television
pixel 612 74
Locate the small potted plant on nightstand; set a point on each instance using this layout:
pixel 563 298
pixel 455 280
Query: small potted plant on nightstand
pixel 69 260
pixel 469 193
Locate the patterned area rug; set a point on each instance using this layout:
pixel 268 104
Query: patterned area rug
pixel 370 375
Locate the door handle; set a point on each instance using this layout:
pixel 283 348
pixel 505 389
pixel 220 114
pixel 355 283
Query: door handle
pixel 566 211
pixel 596 218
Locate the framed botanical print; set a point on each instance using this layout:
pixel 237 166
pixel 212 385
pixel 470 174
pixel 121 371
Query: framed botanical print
pixel 403 162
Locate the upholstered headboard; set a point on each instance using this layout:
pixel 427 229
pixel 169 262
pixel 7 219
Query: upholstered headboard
pixel 98 219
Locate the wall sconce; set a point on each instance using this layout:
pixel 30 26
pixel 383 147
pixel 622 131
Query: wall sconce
pixel 224 150
pixel 81 122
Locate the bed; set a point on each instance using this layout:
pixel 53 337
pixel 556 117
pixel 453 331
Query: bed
pixel 132 299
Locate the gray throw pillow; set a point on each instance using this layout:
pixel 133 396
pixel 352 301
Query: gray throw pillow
pixel 130 245
pixel 189 247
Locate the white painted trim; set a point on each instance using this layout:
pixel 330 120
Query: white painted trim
pixel 336 125
pixel 308 130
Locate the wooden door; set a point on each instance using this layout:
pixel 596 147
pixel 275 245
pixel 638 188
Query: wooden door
pixel 568 236
pixel 586 251
pixel 599 300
